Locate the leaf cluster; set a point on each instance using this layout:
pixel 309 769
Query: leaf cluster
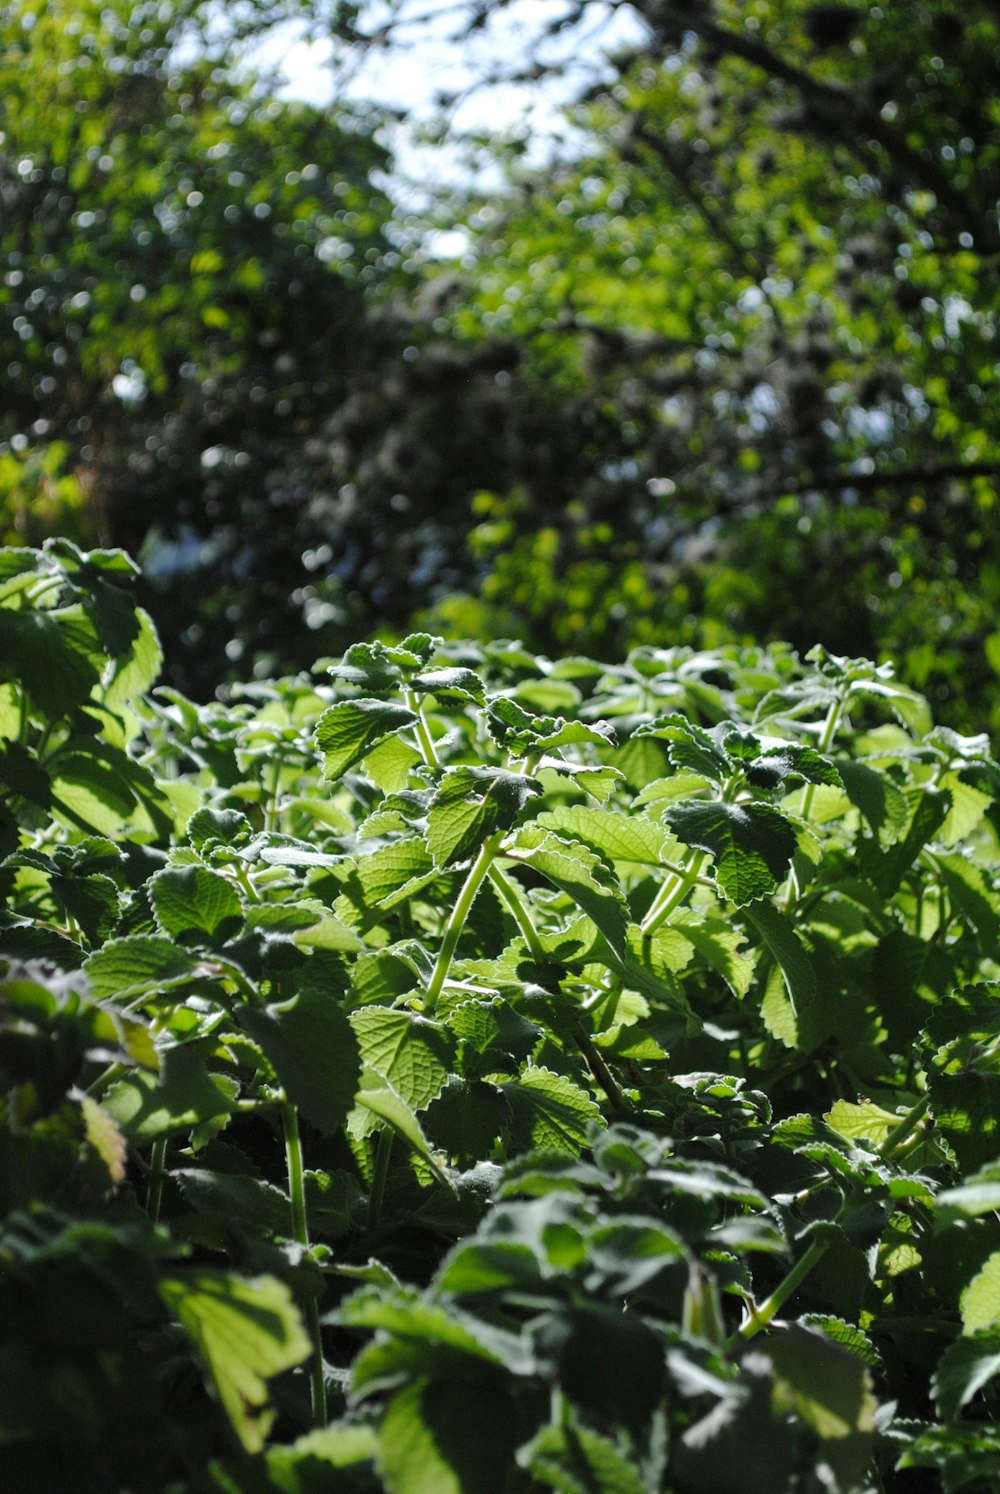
pixel 459 1070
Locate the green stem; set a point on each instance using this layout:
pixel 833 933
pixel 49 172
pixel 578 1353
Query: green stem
pixel 157 1172
pixel 510 894
pixel 488 852
pixel 300 1233
pixel 824 744
pixel 380 1173
pixel 595 1063
pixel 907 1125
pixel 424 738
pixel 761 1317
pixel 674 891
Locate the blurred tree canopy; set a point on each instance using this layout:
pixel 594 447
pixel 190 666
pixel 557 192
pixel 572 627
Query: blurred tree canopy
pixel 727 369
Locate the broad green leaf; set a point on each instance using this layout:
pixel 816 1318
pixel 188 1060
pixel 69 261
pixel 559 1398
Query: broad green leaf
pixel 832 1392
pixel 978 1194
pixel 862 1122
pixel 387 870
pixel 447 1437
pixel 450 684
pixel 470 804
pixel 968 805
pixel 689 747
pixel 575 1460
pixel 123 968
pixel 245 1331
pixel 720 946
pixel 887 868
pixel 781 940
pixel 390 764
pixel 751 844
pixel 550 1111
pixel 376 1101
pixel 847 1335
pixel 412 1053
pixel 306 1465
pixel 105 1137
pixel 195 905
pixel 134 673
pixel 580 873
pixel 51 655
pixel 617 837
pixel 789 764
pixel 980 1301
pixel 146 1106
pixel 236 1199
pixel 311 1046
pixel 965 1367
pixel 599 782
pixel 348 731
pixel 880 800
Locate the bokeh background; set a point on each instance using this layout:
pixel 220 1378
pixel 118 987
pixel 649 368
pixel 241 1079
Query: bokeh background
pixel 580 322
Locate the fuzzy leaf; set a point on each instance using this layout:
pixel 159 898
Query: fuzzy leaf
pixel 751 844
pixel 410 1052
pixel 348 731
pixel 965 1367
pixel 246 1331
pixel 980 1301
pixel 196 905
pixel 550 1111
pixel 311 1046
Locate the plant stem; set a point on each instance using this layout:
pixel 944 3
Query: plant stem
pixel 380 1172
pixel 599 1069
pixel 674 891
pixel 300 1233
pixel 424 738
pixel 761 1317
pixel 488 852
pixel 157 1172
pixel 510 894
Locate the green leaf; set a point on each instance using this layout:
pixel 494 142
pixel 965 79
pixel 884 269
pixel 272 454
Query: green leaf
pixel 880 800
pixel 832 1392
pixel 886 869
pixel 134 673
pixel 450 684
pixel 412 1053
pixel 237 1200
pixel 447 1437
pixel 306 1465
pixel 751 844
pixel 376 1101
pixel 347 732
pixel 310 1044
pixel 581 874
pixel 196 905
pixel 575 1460
pixel 147 1107
pixel 51 656
pixel 719 945
pixel 616 837
pixel 784 766
pixel 980 1301
pixel 470 804
pixel 550 1111
pixel 790 956
pixel 245 1331
pixel 124 968
pixel 689 748
pixel 965 1367
pixel 862 1122
pixel 390 764
pixel 979 1194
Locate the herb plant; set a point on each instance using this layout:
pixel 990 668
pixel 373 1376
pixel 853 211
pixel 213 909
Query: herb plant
pixel 456 1071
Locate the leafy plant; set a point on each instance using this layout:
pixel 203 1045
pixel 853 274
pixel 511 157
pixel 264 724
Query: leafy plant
pixel 458 1070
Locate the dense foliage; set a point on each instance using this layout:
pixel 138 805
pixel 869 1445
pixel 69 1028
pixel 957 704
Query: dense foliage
pixel 455 1070
pixel 727 372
